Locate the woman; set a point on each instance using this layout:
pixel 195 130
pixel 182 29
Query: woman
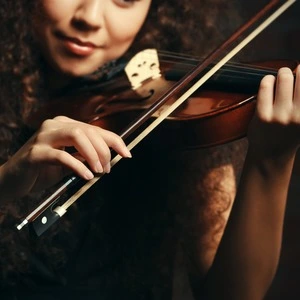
pixel 130 239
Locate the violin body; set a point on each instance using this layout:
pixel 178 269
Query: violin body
pixel 218 112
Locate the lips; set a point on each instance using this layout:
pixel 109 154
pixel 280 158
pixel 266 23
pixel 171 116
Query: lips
pixel 76 46
pixel 80 43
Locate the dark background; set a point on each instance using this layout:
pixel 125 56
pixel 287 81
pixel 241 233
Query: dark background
pixel 281 40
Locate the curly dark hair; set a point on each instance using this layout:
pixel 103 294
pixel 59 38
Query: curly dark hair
pixel 171 25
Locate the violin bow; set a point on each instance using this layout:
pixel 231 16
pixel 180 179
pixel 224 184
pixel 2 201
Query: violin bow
pixel 45 215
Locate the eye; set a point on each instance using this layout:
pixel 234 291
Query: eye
pixel 125 3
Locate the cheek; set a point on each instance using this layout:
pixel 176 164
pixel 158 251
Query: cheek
pixel 56 9
pixel 50 12
pixel 125 30
pixel 122 28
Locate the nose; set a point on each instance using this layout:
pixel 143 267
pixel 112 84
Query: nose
pixel 89 15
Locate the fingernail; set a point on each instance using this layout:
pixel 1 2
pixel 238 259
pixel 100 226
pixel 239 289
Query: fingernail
pixel 98 167
pixel 88 175
pixel 107 168
pixel 128 153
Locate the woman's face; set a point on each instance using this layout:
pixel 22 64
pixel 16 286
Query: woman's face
pixel 78 36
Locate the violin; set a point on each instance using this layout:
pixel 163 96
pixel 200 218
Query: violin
pixel 195 114
pixel 216 113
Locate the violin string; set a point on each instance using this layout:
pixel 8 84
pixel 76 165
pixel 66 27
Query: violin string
pixel 233 67
pixel 249 74
pixel 167 54
pixel 185 96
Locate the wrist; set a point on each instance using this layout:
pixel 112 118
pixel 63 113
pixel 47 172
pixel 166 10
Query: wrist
pixel 271 163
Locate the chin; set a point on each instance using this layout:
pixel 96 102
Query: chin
pixel 75 71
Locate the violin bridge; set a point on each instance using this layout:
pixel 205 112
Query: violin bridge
pixel 143 66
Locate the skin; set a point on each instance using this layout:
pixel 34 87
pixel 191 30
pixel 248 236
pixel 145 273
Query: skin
pixel 257 214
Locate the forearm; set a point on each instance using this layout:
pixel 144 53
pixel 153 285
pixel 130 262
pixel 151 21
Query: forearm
pixel 248 255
